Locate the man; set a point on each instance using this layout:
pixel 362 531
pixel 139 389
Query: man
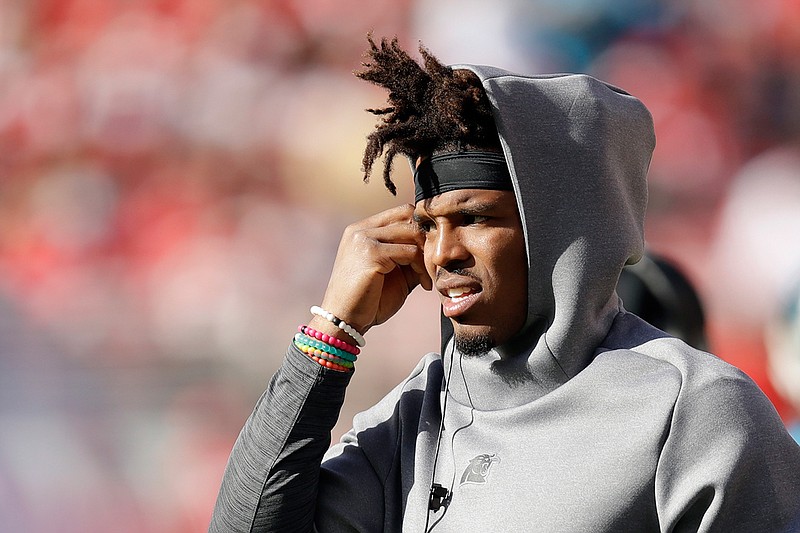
pixel 551 408
pixel 657 290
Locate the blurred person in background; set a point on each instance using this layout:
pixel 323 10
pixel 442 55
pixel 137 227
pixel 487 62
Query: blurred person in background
pixel 550 406
pixel 782 339
pixel 657 290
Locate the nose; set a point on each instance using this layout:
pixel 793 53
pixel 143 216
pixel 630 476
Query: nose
pixel 448 248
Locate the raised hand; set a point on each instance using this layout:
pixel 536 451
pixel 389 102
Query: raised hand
pixel 378 264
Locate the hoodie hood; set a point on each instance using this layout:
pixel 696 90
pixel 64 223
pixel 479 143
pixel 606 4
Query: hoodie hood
pixel 578 151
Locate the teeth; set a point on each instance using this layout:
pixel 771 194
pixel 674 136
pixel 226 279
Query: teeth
pixel 456 292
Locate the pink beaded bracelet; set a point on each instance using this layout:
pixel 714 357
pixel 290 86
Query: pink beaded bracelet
pixel 333 341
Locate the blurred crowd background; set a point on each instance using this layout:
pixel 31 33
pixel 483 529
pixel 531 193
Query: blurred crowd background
pixel 175 175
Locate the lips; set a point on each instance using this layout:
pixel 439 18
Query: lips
pixel 457 299
pixel 458 294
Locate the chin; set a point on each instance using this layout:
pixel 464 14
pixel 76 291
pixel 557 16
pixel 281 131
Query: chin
pixel 473 341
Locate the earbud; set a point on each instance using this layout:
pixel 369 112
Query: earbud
pixel 440 497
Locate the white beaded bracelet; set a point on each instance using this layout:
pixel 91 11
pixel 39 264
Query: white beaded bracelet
pixel 341 324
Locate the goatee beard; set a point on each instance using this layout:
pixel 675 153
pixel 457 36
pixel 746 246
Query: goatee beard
pixel 474 345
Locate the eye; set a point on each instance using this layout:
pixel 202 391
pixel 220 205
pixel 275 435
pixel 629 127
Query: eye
pixel 425 225
pixel 470 219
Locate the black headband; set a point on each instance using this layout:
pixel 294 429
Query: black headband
pixel 461 170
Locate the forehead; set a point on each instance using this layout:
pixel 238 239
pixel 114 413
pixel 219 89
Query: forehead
pixel 474 199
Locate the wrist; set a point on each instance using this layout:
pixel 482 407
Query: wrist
pixel 326 350
pixel 324 326
pixel 340 324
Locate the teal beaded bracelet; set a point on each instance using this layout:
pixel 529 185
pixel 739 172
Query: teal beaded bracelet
pixel 316 352
pixel 325 347
pixel 325 359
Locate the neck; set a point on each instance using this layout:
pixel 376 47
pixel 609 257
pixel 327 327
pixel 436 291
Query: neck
pixel 506 376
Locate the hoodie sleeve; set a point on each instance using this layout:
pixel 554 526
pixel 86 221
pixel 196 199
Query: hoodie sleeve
pixel 271 479
pixel 727 463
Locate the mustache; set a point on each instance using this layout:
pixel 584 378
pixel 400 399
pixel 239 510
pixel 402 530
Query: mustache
pixel 455 272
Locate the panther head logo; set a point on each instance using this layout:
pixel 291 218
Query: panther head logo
pixel 478 469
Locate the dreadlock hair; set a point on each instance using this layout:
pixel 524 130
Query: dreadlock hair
pixel 432 107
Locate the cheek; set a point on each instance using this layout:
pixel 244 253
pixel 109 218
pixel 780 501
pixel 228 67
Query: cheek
pixel 427 254
pixel 514 270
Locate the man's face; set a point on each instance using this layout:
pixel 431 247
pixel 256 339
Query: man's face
pixel 475 253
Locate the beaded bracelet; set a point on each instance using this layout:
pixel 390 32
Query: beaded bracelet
pixel 325 347
pixel 333 341
pixel 341 324
pixel 325 359
pixel 321 350
pixel 328 364
pixel 310 351
pixel 335 360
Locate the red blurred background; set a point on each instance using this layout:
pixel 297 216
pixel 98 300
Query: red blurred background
pixel 175 175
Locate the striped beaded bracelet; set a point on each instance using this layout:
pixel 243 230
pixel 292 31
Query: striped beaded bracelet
pixel 311 351
pixel 341 324
pixel 333 341
pixel 328 357
pixel 328 364
pixel 324 346
pixel 325 359
pixel 320 349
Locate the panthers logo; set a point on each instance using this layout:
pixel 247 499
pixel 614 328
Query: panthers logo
pixel 478 469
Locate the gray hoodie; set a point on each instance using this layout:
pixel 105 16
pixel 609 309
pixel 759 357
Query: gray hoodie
pixel 612 426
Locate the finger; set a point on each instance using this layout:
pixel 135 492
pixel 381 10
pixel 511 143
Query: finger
pixel 425 280
pixel 400 233
pixel 409 259
pixel 389 256
pixel 418 266
pixel 398 214
pixel 413 278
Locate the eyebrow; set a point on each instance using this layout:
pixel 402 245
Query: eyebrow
pixel 473 208
pixel 478 208
pixel 419 218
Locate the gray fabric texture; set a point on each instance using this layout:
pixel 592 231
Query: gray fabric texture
pixel 613 426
